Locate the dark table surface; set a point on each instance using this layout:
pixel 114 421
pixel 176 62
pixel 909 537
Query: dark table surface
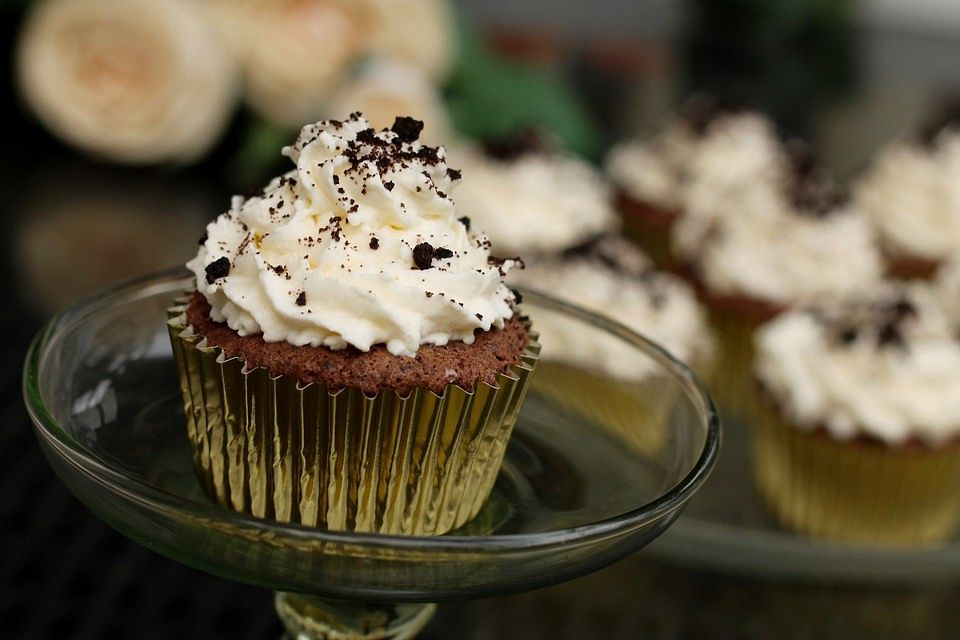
pixel 65 574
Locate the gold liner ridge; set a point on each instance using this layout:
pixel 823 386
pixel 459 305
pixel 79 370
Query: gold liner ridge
pixel 268 446
pixel 856 492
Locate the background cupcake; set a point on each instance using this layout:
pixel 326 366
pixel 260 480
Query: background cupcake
pixel 859 440
pixel 708 148
pixel 351 358
pixel 911 193
pixel 532 198
pixel 610 276
pixel 764 248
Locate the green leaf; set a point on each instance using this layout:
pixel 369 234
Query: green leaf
pixel 489 97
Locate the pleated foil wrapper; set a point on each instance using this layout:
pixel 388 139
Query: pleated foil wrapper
pixel 731 379
pixel 859 492
pixel 273 448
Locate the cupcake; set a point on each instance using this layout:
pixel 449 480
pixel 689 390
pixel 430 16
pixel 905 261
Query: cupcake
pixel 531 198
pixel 860 436
pixel 765 248
pixel 350 357
pixel 709 147
pixel 911 193
pixel 593 373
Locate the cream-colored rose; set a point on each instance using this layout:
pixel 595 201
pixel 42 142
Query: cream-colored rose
pixel 295 52
pixel 135 81
pixel 420 32
pixel 386 89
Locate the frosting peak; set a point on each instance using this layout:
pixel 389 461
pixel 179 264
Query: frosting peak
pixel 360 245
pixel 883 366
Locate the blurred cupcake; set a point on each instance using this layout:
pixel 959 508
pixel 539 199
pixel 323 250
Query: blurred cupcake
pixel 706 150
pixel 384 88
pixel 595 374
pixel 351 358
pixel 859 436
pixel 765 248
pixel 911 192
pixel 531 198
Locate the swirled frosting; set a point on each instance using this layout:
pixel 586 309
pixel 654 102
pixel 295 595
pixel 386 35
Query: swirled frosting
pixel 912 193
pixel 782 242
pixel 884 366
pixel 706 150
pixel 611 276
pixel 360 245
pixel 531 200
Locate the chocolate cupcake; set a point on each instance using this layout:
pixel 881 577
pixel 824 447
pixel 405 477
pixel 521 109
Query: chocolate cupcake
pixel 351 358
pixel 611 276
pixel 860 436
pixel 707 149
pixel 765 248
pixel 531 198
pixel 911 193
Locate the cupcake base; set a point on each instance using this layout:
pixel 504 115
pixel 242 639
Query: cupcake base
pixel 902 266
pixel 416 464
pixel 735 320
pixel 861 491
pixel 650 227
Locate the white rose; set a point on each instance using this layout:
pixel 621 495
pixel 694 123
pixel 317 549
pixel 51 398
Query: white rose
pixel 294 52
pixel 135 81
pixel 420 32
pixel 385 89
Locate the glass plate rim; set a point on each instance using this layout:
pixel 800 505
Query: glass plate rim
pixel 115 480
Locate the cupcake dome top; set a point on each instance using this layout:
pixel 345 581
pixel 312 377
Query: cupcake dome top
pixel 783 241
pixel 911 192
pixel 611 276
pixel 707 146
pixel 359 245
pixel 883 366
pixel 531 198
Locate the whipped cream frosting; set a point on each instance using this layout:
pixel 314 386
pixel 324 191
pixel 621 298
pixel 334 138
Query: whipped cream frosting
pixel 912 193
pixel 884 367
pixel 771 248
pixel 699 156
pixel 359 245
pixel 533 201
pixel 611 276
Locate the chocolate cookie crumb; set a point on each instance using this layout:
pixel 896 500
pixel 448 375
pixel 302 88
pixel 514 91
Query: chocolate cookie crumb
pixel 423 256
pixel 442 253
pixel 407 129
pixel 389 185
pixel 219 268
pixel 302 299
pixel 374 243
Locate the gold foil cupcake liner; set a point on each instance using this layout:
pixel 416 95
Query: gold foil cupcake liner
pixel 268 446
pixel 860 491
pixel 731 379
pixel 635 412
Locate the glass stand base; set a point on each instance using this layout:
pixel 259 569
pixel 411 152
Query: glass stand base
pixel 310 618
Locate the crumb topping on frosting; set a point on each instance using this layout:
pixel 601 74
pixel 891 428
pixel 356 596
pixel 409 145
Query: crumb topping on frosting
pixel 882 365
pixel 342 250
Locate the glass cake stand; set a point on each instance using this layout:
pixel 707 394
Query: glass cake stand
pixel 595 471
